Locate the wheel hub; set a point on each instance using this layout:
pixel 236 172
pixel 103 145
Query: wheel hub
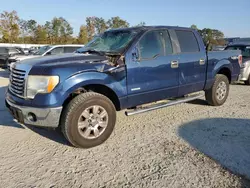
pixel 92 122
pixel 221 90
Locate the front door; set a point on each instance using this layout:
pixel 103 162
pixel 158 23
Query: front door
pixel 154 75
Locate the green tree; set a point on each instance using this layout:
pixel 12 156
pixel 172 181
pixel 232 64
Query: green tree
pixel 90 27
pixel 100 25
pixel 23 29
pixel 59 31
pixel 194 27
pixel 83 35
pixel 65 31
pixel 117 22
pixel 211 36
pixel 40 35
pixel 9 28
pixel 49 30
pixel 27 29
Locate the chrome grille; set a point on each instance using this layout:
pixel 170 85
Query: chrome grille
pixel 17 82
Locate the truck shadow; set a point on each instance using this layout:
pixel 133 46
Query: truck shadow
pixel 225 140
pixel 202 102
pixel 5 117
pixel 6 120
pixel 52 134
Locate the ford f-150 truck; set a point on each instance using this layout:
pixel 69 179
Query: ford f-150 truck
pixel 119 69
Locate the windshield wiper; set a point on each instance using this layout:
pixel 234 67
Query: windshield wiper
pixel 102 53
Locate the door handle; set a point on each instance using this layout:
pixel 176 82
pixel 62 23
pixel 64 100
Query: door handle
pixel 174 64
pixel 202 61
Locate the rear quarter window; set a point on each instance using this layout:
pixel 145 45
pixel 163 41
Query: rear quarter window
pixel 188 42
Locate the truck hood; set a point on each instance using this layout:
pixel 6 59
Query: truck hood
pixel 64 65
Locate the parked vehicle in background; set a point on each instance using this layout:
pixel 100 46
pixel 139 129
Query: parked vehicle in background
pixel 33 49
pixel 3 56
pixel 26 50
pixel 20 51
pixel 245 50
pixel 218 48
pixel 6 53
pixel 47 50
pixel 119 69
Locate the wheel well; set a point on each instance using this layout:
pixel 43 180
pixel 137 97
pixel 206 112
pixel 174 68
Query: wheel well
pixel 104 90
pixel 226 72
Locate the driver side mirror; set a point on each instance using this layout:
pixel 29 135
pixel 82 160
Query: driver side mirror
pixel 135 54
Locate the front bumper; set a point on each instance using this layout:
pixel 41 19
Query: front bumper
pixel 44 117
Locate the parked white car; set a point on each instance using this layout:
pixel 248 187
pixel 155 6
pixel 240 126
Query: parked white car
pixel 48 50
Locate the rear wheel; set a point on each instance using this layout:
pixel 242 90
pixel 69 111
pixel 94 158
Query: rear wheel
pixel 218 93
pixel 88 120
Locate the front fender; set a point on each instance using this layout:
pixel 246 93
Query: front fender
pixel 118 85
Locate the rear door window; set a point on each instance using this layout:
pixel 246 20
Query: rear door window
pixel 188 42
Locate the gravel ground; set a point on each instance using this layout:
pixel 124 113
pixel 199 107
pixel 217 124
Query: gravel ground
pixel 188 145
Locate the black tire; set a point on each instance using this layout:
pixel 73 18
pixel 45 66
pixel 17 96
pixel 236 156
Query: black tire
pixel 247 82
pixel 211 94
pixel 73 111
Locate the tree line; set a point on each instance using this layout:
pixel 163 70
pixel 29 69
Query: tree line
pixel 213 36
pixel 13 29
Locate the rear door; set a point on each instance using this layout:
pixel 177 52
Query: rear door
pixel 192 62
pixel 152 77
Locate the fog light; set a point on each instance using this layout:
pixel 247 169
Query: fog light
pixel 32 117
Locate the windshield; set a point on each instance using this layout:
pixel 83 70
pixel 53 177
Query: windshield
pixel 110 41
pixel 42 50
pixel 245 50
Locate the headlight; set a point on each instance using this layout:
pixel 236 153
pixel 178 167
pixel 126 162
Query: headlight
pixel 41 84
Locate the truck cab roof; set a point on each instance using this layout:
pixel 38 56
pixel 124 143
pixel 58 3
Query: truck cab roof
pixel 154 27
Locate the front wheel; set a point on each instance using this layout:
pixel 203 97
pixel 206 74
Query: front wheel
pixel 88 120
pixel 218 93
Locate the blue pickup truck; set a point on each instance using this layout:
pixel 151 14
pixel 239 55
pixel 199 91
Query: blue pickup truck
pixel 119 69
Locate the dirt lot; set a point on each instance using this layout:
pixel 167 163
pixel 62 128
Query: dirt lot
pixel 188 145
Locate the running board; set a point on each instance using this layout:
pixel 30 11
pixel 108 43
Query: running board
pixel 163 105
